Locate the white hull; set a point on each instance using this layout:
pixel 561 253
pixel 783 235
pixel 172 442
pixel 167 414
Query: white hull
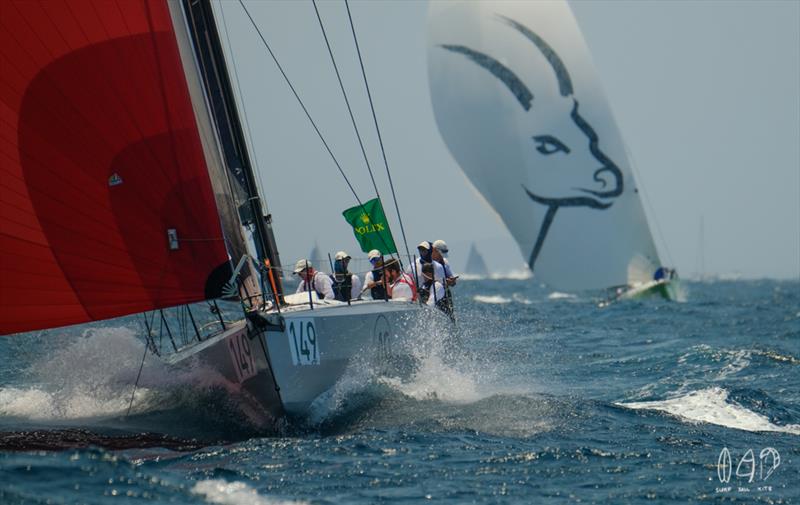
pixel 309 351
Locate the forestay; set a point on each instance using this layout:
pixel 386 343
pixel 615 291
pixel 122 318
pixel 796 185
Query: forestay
pixel 521 109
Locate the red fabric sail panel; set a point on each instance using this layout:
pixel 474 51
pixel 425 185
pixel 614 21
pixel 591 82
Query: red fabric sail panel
pixel 100 157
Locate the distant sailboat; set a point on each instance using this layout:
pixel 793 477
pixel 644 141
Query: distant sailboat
pixel 476 266
pixel 128 188
pixel 315 258
pixel 520 107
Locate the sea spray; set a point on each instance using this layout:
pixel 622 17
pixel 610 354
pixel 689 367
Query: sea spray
pixel 88 379
pixel 222 492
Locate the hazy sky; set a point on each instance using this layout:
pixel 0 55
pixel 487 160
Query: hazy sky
pixel 706 95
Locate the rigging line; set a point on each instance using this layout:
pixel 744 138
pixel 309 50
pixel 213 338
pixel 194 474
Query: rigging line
pixel 346 101
pixel 310 119
pixel 378 130
pixel 300 101
pixel 138 375
pixel 649 205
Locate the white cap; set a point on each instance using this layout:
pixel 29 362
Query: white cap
pixel 301 265
pixel 424 245
pixel 441 246
pixel 342 255
pixel 374 254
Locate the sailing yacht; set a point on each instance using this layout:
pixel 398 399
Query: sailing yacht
pixel 521 109
pixel 476 266
pixel 127 188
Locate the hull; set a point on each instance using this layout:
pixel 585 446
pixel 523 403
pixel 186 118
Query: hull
pixel 239 357
pixel 317 347
pixel 666 289
pixel 282 365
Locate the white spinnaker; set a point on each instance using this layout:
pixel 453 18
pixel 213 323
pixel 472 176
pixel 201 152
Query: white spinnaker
pixel 513 125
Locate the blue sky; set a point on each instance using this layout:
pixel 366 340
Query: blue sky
pixel 706 95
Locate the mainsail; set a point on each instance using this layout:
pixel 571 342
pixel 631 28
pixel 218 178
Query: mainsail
pixel 475 267
pixel 520 107
pixel 106 203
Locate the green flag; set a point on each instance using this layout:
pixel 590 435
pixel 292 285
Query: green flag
pixel 370 227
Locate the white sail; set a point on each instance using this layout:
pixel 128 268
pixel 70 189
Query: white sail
pixel 476 266
pixel 519 105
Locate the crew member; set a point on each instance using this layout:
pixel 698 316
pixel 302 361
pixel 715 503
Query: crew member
pixel 439 253
pixel 425 256
pixel 374 278
pixel 431 292
pixel 346 285
pixel 313 280
pixel 401 285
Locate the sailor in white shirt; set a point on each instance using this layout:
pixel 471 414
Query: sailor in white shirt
pixel 319 281
pixel 415 269
pixel 432 292
pixel 439 253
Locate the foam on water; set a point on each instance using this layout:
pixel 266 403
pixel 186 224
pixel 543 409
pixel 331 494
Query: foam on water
pixel 711 405
pixel 436 379
pixel 92 376
pixel 493 299
pixel 556 295
pixel 235 493
pixel 517 274
pixel 88 377
pixel 440 373
pixel 471 277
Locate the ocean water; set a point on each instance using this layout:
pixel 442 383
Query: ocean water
pixel 549 398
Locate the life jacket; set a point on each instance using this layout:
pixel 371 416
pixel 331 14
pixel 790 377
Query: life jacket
pixel 424 291
pixel 405 279
pixel 379 291
pixel 342 289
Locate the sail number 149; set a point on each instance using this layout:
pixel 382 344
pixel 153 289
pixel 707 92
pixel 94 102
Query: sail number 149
pixel 303 345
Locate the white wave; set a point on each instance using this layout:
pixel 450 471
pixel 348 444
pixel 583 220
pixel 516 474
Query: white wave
pixel 556 295
pixel 496 299
pixel 521 299
pixel 711 406
pixel 93 376
pixel 472 277
pixel 235 493
pixel 517 274
pixel 40 405
pixel 435 379
pixel 739 360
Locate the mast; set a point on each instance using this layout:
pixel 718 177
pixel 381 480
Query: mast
pixel 211 61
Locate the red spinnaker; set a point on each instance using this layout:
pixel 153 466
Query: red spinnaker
pixel 100 158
